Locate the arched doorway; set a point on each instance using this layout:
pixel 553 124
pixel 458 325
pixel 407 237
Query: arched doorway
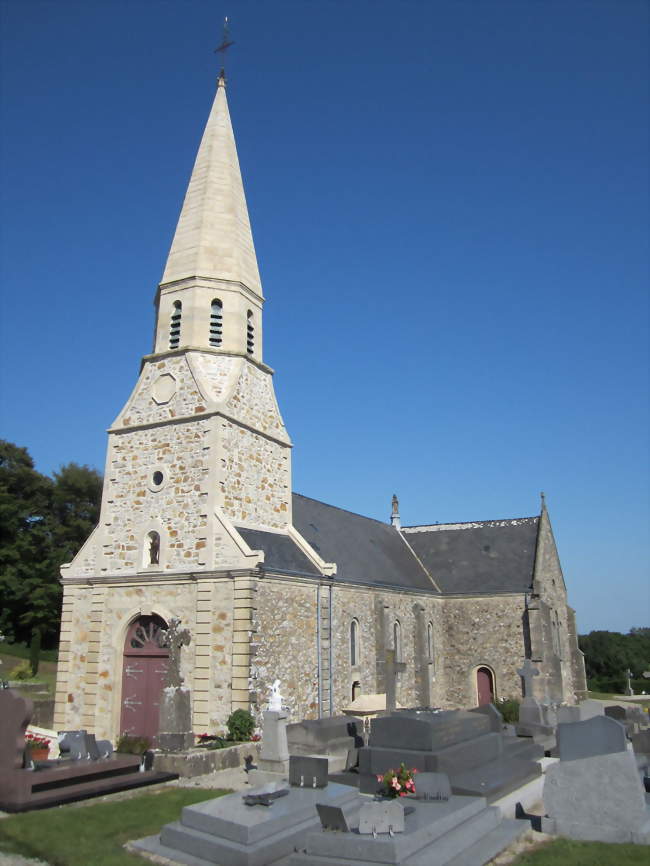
pixel 485 686
pixel 143 672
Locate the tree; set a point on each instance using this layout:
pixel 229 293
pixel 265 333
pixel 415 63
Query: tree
pixel 609 654
pixel 43 523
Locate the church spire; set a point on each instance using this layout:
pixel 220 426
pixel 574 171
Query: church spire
pixel 210 295
pixel 213 237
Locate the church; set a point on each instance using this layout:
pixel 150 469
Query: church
pixel 198 521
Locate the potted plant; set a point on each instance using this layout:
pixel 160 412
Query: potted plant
pixel 39 747
pixel 397 783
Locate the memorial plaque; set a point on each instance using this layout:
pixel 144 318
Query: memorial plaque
pixel 385 816
pixel 432 786
pixel 308 772
pixel 332 818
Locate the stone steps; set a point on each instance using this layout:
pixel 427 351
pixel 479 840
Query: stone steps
pixel 497 840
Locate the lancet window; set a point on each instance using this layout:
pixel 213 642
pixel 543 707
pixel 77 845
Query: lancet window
pixel 354 643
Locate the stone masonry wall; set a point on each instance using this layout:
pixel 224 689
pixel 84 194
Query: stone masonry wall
pixel 283 647
pixel 178 511
pixel 256 477
pixel 482 631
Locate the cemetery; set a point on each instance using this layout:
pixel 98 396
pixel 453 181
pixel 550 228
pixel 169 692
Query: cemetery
pixel 327 791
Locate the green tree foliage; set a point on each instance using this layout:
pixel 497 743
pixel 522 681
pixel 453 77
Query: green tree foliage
pixel 43 522
pixel 608 654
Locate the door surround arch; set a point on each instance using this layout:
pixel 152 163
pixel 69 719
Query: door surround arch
pixel 484 684
pixel 142 675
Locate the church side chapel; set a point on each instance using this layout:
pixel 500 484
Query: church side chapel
pixel 198 523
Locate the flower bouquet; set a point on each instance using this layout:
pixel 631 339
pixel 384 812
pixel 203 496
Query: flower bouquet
pixel 397 783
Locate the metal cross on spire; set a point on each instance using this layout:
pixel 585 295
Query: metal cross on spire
pixel 226 42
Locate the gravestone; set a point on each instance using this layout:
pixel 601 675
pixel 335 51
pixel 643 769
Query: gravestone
pixel 432 786
pixel 175 719
pixel 385 816
pixel 533 718
pixel 227 831
pixel 495 717
pixel 478 761
pixel 599 735
pixel 55 782
pixel 628 687
pixel 595 792
pixel 307 771
pixel 580 712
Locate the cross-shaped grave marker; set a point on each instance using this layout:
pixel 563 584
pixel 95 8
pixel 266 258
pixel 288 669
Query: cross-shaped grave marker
pixel 174 637
pixel 527 672
pixel 391 670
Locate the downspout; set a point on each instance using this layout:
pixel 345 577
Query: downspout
pixel 318 649
pixel 330 658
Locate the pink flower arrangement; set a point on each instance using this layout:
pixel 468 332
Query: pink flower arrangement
pixel 397 783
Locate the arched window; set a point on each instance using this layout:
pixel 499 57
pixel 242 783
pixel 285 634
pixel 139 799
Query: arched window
pixel 216 322
pixel 153 550
pixel 354 643
pixel 356 689
pixel 397 640
pixel 250 333
pixel 175 325
pixel 430 642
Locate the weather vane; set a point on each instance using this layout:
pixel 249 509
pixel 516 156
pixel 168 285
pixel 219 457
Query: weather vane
pixel 226 42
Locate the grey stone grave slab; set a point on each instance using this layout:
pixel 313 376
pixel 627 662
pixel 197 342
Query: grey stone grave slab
pixel 383 816
pixel 599 798
pixel 641 742
pixel 432 786
pixel 308 771
pixel 425 731
pixel 599 735
pixel 494 716
pixel 580 712
pixel 434 833
pixel 330 735
pixel 227 831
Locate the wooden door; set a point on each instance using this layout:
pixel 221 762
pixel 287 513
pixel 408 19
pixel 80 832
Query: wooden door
pixel 143 674
pixel 485 686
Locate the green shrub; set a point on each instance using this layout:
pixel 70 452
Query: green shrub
pixel 240 725
pixel 509 709
pixel 132 745
pixel 23 671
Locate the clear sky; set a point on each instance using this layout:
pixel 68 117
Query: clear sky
pixel 450 207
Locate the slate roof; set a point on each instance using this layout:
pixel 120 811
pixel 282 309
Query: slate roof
pixel 281 552
pixel 491 556
pixel 364 550
pixel 487 557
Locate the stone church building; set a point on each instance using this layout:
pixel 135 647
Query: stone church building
pixel 198 522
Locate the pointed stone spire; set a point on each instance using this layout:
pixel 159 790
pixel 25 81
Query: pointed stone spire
pixel 213 237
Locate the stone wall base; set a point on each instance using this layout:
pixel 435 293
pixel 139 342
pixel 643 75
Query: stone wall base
pixel 198 762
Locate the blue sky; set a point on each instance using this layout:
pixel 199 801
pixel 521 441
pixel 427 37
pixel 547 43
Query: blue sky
pixel 450 207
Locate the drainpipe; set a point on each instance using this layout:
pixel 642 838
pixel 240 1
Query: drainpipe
pixel 318 650
pixel 330 659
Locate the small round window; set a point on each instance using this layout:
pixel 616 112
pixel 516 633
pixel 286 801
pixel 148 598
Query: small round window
pixel 157 480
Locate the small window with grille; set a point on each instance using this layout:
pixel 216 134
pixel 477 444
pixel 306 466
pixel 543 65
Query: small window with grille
pixel 175 325
pixel 250 333
pixel 216 322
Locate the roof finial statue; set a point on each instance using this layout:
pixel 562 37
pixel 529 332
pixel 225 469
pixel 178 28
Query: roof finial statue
pixel 226 42
pixel 394 517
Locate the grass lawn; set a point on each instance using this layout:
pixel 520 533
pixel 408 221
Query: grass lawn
pixel 93 834
pixel 566 852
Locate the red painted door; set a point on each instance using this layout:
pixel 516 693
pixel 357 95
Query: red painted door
pixel 143 673
pixel 485 686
